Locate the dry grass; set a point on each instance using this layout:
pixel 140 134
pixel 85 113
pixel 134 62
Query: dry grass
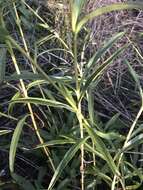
pixel 119 93
pixel 116 96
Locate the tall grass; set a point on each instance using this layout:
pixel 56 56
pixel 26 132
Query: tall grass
pixel 91 153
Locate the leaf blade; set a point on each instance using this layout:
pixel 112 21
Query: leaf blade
pixel 14 143
pixel 107 9
pixel 68 156
pixel 42 101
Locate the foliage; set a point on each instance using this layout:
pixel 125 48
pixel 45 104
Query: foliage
pixel 63 127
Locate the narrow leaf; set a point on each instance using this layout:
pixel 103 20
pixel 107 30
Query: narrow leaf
pixel 135 77
pixel 68 156
pixel 42 101
pixel 100 146
pixel 133 142
pixel 55 142
pixel 102 50
pixel 3 132
pixel 107 9
pixel 99 71
pixel 14 143
pixel 76 7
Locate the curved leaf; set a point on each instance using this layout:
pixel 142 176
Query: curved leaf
pixel 68 156
pixel 102 50
pixel 101 148
pixel 55 142
pixel 107 9
pixel 42 101
pixel 76 7
pixel 14 143
pixel 100 69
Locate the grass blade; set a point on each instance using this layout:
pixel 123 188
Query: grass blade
pixel 101 148
pixel 133 142
pixel 107 9
pixel 55 142
pixel 68 156
pixel 99 71
pixel 3 132
pixel 136 78
pixel 76 7
pixel 101 51
pixel 14 143
pixel 42 101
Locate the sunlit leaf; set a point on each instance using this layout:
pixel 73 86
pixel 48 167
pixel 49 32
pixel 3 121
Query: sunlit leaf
pixel 14 143
pixel 76 6
pixel 42 101
pixel 107 9
pixel 100 70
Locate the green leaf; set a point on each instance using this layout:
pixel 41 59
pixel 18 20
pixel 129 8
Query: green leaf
pixel 112 121
pixel 99 70
pixel 3 34
pixel 25 75
pixel 11 105
pixel 42 101
pixel 25 184
pixel 55 142
pixel 63 185
pixel 14 143
pixel 102 50
pixel 107 9
pixel 133 142
pixel 102 149
pixel 68 96
pixel 2 63
pixel 136 78
pixel 90 99
pixel 68 156
pixel 3 132
pixel 99 173
pixel 110 135
pixel 138 130
pixel 76 7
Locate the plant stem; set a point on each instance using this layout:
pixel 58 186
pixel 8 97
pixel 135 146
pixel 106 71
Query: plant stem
pixel 79 111
pixel 25 94
pixel 82 146
pixel 126 141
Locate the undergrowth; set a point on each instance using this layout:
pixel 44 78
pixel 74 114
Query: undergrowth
pixel 54 135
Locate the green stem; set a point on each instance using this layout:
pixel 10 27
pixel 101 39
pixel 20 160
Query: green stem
pixel 79 111
pixel 76 64
pixel 126 141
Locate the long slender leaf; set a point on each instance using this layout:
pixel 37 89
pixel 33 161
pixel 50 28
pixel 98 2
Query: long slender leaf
pixel 76 6
pixel 25 75
pixel 100 146
pixel 11 105
pixel 3 132
pixel 112 121
pixel 14 143
pixel 108 9
pixel 102 50
pixel 135 77
pixel 42 101
pixel 55 142
pixel 68 156
pixel 99 71
pixel 133 142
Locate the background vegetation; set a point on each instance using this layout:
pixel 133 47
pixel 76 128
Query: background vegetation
pixel 71 98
